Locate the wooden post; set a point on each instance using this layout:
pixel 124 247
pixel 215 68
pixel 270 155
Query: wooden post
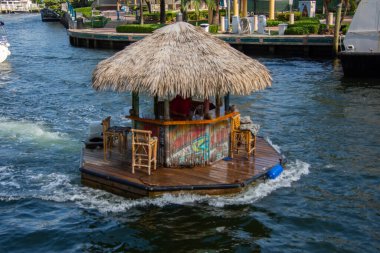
pixel 166 110
pixel 337 28
pixel 217 104
pixel 226 103
pixel 155 105
pixel 166 146
pixel 271 9
pixel 206 106
pixel 135 103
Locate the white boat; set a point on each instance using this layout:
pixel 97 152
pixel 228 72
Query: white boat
pixel 361 55
pixel 4 44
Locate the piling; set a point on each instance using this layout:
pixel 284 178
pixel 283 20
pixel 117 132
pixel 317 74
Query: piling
pixel 337 28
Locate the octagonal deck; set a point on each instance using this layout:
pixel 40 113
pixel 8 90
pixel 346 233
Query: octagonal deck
pixel 222 177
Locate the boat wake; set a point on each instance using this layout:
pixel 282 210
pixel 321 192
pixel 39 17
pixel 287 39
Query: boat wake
pixel 24 131
pixel 59 187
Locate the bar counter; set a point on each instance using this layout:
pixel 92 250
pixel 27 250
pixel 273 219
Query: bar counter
pixel 189 143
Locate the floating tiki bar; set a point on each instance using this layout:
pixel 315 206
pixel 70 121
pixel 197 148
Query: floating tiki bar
pixel 182 63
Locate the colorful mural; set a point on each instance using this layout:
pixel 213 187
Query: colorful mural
pixel 190 145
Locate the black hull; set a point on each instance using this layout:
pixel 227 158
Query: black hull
pixel 48 15
pixel 51 19
pixel 360 64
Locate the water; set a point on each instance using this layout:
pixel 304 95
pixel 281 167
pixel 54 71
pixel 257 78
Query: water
pixel 326 201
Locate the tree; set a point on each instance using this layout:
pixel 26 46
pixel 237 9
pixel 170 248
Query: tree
pixel 326 6
pixel 162 12
pixel 211 7
pixel 197 4
pixel 184 6
pixel 347 6
pixel 215 13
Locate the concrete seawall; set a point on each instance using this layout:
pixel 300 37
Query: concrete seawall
pixel 289 45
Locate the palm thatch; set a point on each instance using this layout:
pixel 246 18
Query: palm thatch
pixel 181 59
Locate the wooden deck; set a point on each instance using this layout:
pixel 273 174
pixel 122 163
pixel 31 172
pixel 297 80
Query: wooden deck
pixel 222 177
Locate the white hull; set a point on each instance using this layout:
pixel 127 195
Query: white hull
pixel 4 53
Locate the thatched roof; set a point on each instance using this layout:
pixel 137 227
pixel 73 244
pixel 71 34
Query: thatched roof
pixel 181 59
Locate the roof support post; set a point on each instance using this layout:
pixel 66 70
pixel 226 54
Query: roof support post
pixel 218 103
pixel 166 109
pixel 135 103
pixel 155 104
pixel 226 103
pixel 206 106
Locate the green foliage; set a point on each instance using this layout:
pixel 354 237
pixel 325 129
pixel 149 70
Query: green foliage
pixel 284 16
pixel 344 29
pixel 306 26
pixel 86 11
pixel 271 23
pixel 213 28
pixel 323 29
pixel 198 23
pixel 191 15
pixel 54 5
pixel 296 31
pixel 153 17
pixel 170 16
pixel 99 22
pixel 304 20
pixel 133 28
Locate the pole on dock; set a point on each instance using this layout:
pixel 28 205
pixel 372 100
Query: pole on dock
pixel 228 15
pixel 271 9
pixel 244 8
pixel 337 28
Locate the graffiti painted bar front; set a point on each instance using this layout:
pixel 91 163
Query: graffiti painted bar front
pixel 189 143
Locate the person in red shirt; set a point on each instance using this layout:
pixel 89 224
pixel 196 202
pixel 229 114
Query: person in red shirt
pixel 180 108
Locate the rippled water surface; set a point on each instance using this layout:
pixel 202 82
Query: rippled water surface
pixel 328 199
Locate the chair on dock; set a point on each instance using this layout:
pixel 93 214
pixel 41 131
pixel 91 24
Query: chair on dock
pixel 243 136
pixel 113 134
pixel 144 150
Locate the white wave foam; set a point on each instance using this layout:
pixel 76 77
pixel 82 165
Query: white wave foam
pixel 276 147
pixel 292 173
pixel 59 188
pixel 27 131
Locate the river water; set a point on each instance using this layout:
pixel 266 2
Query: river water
pixel 328 199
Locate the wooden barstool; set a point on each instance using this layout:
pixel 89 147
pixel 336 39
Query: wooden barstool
pixel 112 134
pixel 144 150
pixel 241 137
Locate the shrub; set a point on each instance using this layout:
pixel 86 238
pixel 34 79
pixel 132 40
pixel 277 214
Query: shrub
pixel 296 30
pixel 284 16
pixel 323 29
pixel 86 11
pixel 170 16
pixel 153 17
pixel 203 14
pixel 309 26
pixel 213 28
pixel 307 21
pixel 271 23
pixel 99 22
pixel 133 28
pixel 344 29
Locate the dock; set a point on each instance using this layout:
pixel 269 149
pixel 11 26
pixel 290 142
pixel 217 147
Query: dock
pixel 287 45
pixel 222 177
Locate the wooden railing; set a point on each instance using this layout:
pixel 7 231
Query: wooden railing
pixel 183 122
